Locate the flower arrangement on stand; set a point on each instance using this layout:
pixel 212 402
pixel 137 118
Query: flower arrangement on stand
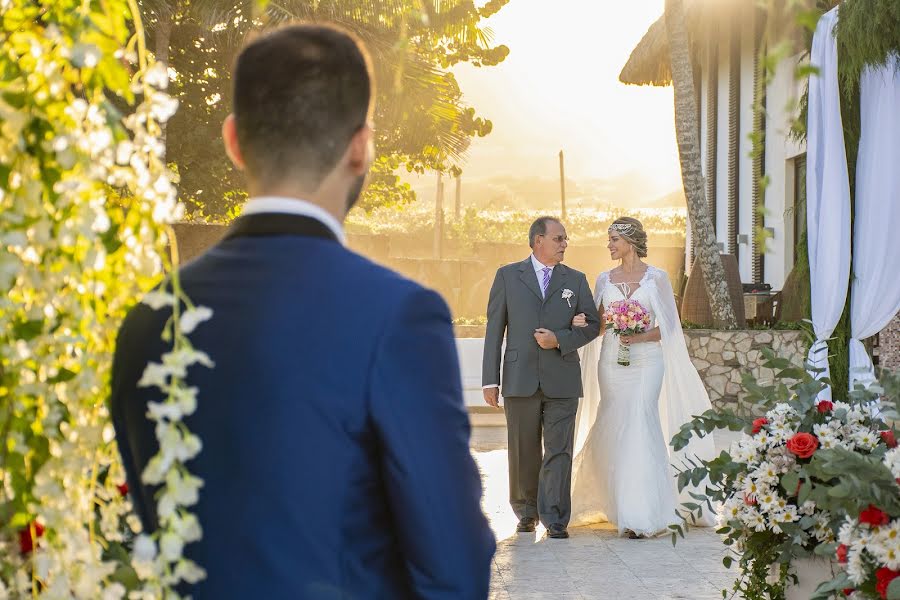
pixel 867 494
pixel 776 501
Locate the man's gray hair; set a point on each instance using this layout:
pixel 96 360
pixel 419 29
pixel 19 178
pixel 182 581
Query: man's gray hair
pixel 539 227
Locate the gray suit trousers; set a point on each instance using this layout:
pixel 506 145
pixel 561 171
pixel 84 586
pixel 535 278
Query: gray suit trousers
pixel 541 486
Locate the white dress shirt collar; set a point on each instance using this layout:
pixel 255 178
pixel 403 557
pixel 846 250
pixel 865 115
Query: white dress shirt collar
pixel 294 206
pixel 539 267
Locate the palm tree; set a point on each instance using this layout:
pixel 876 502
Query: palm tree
pixel 687 133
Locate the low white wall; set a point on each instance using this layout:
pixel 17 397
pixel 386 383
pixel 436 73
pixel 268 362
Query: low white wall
pixel 470 351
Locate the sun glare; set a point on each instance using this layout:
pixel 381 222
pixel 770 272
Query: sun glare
pixel 559 89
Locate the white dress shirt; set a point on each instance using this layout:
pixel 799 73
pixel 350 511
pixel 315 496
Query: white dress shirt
pixel 539 273
pixel 295 206
pixel 539 270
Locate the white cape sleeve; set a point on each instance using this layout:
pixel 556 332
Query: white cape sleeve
pixel 683 394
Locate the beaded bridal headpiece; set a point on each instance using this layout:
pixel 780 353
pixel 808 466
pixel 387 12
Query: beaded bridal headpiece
pixel 623 228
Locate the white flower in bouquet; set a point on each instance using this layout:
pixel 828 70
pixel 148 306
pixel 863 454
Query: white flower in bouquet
pixel 885 545
pixel 892 461
pixel 865 438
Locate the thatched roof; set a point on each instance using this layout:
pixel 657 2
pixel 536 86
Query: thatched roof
pixel 649 61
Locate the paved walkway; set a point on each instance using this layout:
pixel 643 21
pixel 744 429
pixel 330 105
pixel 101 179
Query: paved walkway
pixel 594 563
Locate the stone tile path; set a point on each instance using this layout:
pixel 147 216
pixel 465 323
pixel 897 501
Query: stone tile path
pixel 594 563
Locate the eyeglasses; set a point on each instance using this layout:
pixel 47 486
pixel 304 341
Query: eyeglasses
pixel 559 239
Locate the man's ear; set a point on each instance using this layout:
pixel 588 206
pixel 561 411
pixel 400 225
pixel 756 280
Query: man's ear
pixel 230 138
pixel 361 151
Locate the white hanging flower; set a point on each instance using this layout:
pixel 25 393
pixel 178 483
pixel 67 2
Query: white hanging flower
pixel 193 317
pixel 170 546
pixel 144 548
pixel 158 299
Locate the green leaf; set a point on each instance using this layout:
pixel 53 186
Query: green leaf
pixel 893 591
pixel 20 520
pixel 727 560
pixel 28 330
pixel 840 491
pixel 805 491
pixel 789 482
pixel 62 376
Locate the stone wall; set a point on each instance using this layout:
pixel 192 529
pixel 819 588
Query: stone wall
pixel 722 357
pixel 889 345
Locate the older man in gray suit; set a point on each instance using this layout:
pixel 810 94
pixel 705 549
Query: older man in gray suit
pixel 533 303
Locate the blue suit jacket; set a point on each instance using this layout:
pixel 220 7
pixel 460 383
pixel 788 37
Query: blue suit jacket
pixel 335 451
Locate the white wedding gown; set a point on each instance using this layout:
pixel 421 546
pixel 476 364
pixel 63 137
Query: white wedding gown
pixel 622 471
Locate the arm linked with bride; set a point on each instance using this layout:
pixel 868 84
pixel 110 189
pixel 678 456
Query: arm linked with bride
pixel 574 337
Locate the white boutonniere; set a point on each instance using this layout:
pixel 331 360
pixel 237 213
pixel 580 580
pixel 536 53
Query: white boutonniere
pixel 566 294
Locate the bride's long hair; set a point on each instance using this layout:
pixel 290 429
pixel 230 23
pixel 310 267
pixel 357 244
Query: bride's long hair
pixel 632 231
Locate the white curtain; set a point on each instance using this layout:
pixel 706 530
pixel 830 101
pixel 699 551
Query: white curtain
pixel 828 195
pixel 875 297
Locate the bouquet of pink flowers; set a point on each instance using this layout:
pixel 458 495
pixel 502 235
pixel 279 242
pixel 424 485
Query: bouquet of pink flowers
pixel 627 317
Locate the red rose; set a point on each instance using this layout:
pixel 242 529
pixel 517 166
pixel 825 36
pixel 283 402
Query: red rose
pixel 873 517
pixel 842 553
pixel 824 406
pixel 123 488
pixel 803 444
pixel 848 591
pixel 26 542
pixel 758 423
pixel 889 439
pixel 884 576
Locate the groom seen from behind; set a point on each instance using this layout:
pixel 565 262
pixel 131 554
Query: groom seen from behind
pixel 335 460
pixel 533 302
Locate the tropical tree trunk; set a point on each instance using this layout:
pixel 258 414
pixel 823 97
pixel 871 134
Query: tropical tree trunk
pixel 687 133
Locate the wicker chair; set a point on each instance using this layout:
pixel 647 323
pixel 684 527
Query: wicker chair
pixel 695 306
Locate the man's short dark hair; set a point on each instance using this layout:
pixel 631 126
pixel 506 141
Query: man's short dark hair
pixel 539 227
pixel 300 94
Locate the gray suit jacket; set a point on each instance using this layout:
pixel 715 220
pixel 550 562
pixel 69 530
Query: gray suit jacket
pixel 516 308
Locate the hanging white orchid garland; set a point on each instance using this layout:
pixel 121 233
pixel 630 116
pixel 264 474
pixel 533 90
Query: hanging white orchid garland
pixel 85 202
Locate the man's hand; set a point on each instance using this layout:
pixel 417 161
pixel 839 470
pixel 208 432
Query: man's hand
pixel 546 339
pixel 492 396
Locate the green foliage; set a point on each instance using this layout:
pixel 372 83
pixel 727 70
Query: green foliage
pixel 421 120
pixel 867 34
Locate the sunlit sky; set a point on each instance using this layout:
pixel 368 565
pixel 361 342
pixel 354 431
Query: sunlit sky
pixel 559 89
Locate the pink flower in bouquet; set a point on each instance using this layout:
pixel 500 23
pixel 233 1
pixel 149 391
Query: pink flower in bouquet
pixel 627 316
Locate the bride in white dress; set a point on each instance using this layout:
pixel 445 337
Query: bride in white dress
pixel 622 472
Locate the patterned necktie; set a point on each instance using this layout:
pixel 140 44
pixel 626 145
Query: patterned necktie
pixel 546 281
